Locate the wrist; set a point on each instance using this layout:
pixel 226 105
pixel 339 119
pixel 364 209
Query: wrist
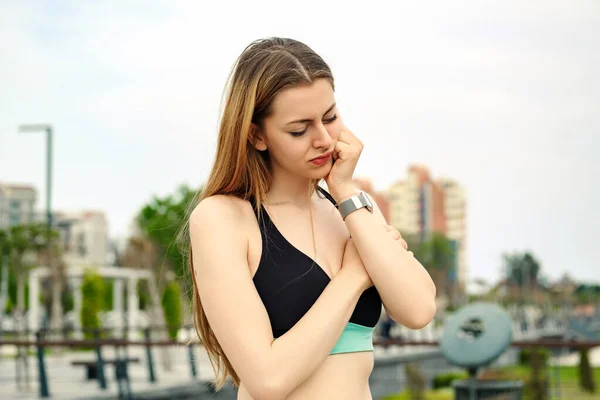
pixel 353 279
pixel 341 193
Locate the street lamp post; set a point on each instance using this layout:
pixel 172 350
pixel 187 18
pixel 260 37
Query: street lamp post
pixel 48 129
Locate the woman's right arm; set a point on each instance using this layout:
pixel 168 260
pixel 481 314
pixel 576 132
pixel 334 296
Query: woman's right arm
pixel 269 369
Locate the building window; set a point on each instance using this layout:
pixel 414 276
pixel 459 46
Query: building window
pixel 81 249
pixel 15 219
pixel 30 217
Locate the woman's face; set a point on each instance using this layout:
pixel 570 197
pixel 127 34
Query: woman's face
pixel 305 124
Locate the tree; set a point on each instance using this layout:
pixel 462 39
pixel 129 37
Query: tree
pixel 161 221
pixel 586 372
pixel 4 254
pixel 22 245
pixel 587 293
pixel 522 268
pixel 436 254
pixel 142 253
pixel 25 241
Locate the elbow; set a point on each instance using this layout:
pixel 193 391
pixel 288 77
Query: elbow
pixel 423 317
pixel 268 386
pixel 268 391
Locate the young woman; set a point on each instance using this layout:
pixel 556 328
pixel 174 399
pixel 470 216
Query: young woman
pixel 290 278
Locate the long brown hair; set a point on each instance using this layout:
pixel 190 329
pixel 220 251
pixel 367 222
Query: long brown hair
pixel 265 68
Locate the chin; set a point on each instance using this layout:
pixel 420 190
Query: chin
pixel 320 174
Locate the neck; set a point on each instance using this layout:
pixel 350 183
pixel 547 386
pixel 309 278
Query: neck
pixel 287 188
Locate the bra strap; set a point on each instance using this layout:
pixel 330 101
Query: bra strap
pixel 327 195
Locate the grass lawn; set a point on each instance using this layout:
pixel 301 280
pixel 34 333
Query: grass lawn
pixel 568 388
pixel 569 381
pixel 439 394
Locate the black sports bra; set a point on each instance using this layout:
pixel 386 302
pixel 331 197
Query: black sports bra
pixel 289 282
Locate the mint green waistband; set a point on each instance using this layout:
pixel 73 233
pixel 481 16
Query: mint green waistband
pixel 354 338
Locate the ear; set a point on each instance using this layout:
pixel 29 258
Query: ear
pixel 256 138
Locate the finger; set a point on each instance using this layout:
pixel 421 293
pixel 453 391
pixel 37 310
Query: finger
pixel 343 150
pixel 393 231
pixel 346 136
pixel 397 237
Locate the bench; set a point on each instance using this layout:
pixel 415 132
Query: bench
pixel 92 366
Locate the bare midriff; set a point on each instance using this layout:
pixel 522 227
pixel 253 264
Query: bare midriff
pixel 340 376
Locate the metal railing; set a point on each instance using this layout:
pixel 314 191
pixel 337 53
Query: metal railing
pixel 120 346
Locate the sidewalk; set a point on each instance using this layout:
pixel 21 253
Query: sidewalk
pixel 69 382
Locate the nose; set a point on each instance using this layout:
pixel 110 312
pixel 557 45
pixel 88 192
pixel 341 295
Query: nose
pixel 322 137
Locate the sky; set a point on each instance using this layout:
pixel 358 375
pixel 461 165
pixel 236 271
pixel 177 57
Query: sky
pixel 503 97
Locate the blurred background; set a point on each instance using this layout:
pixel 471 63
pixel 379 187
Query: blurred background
pixel 480 122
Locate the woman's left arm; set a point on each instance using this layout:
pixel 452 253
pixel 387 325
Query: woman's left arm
pixel 406 288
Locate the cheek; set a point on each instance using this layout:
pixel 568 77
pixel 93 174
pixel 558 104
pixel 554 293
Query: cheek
pixel 290 150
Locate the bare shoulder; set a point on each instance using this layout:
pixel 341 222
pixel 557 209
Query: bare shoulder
pixel 219 208
pixel 219 225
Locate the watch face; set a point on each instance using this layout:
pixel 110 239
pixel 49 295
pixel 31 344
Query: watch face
pixel 366 200
pixel 354 203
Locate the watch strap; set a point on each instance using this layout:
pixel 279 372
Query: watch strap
pixel 353 203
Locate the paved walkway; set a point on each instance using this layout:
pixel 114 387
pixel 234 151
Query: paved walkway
pixel 69 382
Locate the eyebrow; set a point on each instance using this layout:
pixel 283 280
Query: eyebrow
pixel 310 120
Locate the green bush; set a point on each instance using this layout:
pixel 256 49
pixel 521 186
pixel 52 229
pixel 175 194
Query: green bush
pixel 525 356
pixel 171 303
pixel 92 290
pixel 445 380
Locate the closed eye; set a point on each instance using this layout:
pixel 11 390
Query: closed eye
pixel 327 121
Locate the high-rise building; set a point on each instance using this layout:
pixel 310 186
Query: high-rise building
pixel 420 205
pixel 455 213
pixel 17 205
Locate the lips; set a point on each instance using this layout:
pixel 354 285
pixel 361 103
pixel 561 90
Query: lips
pixel 323 157
pixel 321 160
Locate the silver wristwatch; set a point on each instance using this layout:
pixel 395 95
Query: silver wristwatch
pixel 356 202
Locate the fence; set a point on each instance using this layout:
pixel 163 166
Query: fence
pixel 131 368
